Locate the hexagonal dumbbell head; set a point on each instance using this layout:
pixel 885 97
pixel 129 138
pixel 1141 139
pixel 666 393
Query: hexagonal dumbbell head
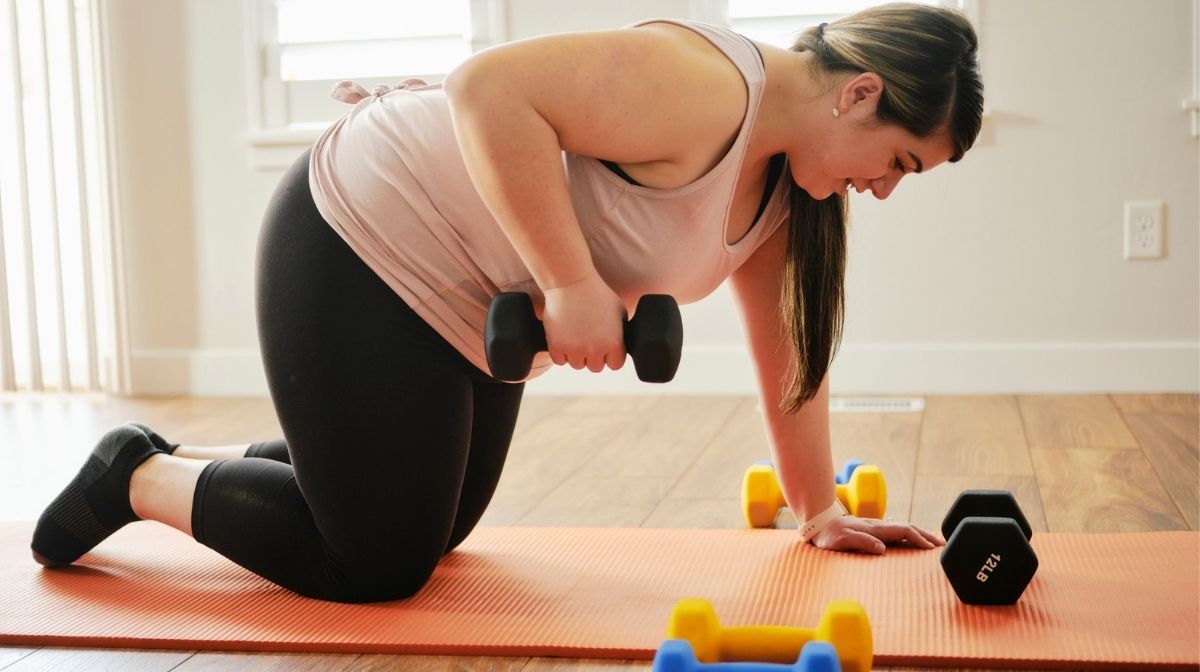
pixel 844 623
pixel 675 655
pixel 988 561
pixel 762 498
pixel 993 503
pixel 865 494
pixel 695 620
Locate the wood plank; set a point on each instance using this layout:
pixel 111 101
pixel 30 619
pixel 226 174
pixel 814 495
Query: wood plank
pixel 973 435
pixel 11 654
pixel 534 409
pixel 86 660
pixel 718 470
pixel 1090 490
pixel 584 500
pixel 555 448
pixel 1080 421
pixel 1170 444
pixel 934 493
pixel 664 440
pixel 386 663
pixel 1184 404
pixel 631 471
pixel 889 440
pixel 584 665
pixel 220 421
pixel 267 662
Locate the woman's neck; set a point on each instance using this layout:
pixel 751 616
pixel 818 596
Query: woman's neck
pixel 793 107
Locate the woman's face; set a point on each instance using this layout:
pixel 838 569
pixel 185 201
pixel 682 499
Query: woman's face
pixel 854 151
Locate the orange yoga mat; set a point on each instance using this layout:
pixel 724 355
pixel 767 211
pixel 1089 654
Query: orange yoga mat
pixel 1099 601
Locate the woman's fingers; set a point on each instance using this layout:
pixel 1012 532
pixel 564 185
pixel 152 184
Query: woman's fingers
pixel 895 533
pixel 872 536
pixel 845 537
pixel 863 542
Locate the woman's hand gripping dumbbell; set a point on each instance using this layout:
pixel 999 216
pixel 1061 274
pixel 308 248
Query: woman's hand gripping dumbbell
pixel 513 335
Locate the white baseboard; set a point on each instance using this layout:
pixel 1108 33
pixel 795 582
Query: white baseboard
pixel 1019 368
pixel 233 372
pixel 937 368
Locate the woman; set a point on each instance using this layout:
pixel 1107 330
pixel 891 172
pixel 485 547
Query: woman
pixel 586 170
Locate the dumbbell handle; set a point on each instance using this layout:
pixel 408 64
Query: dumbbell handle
pixel 655 359
pixel 764 643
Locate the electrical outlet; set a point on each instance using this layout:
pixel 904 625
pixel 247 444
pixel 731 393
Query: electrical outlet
pixel 1143 229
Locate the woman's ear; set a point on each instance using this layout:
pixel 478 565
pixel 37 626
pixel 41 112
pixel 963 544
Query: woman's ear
pixel 860 95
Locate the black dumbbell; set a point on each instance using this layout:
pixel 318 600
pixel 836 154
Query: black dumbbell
pixel 512 335
pixel 988 559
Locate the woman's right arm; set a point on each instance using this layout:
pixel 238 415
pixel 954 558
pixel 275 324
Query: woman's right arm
pixel 631 96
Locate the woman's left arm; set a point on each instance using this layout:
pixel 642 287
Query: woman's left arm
pixel 799 442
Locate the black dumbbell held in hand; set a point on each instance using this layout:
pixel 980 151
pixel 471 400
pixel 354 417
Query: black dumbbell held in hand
pixel 512 335
pixel 988 559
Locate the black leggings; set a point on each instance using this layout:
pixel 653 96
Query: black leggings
pixel 396 440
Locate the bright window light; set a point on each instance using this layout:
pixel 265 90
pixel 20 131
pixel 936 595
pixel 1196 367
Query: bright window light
pixel 319 39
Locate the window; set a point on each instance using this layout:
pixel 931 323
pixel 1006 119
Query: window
pixel 778 22
pixel 298 49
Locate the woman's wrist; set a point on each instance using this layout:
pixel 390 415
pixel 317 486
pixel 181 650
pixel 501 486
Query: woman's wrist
pixel 813 526
pixel 555 284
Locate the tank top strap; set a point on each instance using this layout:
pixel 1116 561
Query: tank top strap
pixel 737 47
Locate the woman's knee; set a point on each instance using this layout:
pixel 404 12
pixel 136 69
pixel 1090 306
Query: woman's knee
pixel 372 566
pixel 379 582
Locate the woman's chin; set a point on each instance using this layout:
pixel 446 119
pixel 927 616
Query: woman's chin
pixel 820 194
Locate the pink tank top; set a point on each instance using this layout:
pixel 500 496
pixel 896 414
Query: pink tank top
pixel 390 179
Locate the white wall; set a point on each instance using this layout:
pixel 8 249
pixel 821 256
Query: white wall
pixel 1003 273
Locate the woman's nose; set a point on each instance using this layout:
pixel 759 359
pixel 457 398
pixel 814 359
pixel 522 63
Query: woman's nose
pixel 883 187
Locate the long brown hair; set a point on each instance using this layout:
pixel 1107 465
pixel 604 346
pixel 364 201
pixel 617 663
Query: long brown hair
pixel 928 60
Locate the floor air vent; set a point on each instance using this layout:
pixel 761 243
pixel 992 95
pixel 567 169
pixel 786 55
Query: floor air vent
pixel 876 405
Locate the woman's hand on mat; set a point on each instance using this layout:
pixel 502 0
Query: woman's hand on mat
pixel 870 535
pixel 585 325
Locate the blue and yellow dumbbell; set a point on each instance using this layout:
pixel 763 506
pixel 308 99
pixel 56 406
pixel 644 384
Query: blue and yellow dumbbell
pixel 843 624
pixel 860 488
pixel 676 655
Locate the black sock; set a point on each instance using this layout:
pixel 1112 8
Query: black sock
pixel 271 450
pixel 96 503
pixel 158 441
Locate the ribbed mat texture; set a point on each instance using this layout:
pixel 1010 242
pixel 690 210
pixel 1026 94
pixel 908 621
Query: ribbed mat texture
pixel 1099 601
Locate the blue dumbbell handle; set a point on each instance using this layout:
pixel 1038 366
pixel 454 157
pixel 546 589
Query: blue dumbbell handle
pixel 848 471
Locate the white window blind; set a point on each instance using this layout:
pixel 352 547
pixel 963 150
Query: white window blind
pixel 57 331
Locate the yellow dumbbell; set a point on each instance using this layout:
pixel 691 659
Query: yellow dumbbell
pixel 865 495
pixel 843 624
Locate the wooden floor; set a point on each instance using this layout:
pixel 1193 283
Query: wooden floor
pixel 1104 463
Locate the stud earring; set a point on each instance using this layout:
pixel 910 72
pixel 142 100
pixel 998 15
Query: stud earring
pixel 836 113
